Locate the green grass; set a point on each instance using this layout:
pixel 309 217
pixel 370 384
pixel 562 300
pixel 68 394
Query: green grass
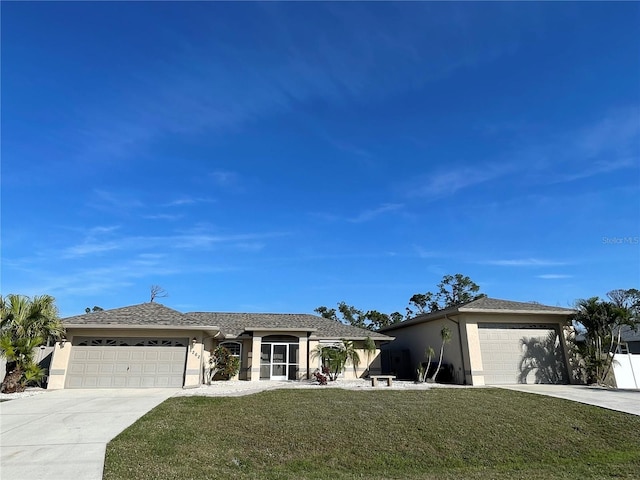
pixel 340 434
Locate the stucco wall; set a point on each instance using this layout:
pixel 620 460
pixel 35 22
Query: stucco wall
pixel 418 337
pixel 463 352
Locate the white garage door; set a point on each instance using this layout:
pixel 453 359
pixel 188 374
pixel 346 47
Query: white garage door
pixel 521 354
pixel 126 363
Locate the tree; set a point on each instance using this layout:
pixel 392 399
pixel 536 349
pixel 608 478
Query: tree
pixel 25 323
pixel 396 317
pixel 94 309
pixel 453 290
pixel 423 371
pixel 350 315
pixel 369 346
pixel 329 313
pixel 21 367
pixel 157 292
pixel 421 302
pixel 628 299
pixel 221 361
pixel 335 357
pixel 376 320
pixel 601 322
pixel 445 334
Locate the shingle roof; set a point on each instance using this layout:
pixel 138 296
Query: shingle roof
pixel 233 324
pixel 628 334
pixel 485 305
pixel 149 314
pixel 230 324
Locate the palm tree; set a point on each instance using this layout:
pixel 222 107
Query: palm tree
pixel 351 355
pixel 26 317
pixel 601 321
pixel 429 352
pixel 25 323
pixel 370 349
pixel 445 334
pixel 19 355
pixel 335 357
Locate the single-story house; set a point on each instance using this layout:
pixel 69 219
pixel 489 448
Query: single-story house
pixel 151 345
pixel 626 361
pixel 492 342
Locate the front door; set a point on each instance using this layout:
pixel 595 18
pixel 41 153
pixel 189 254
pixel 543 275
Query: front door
pixel 279 354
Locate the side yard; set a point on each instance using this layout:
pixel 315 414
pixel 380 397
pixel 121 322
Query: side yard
pixel 333 433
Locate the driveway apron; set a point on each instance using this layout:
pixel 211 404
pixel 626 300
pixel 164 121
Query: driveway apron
pixel 63 434
pixel 627 401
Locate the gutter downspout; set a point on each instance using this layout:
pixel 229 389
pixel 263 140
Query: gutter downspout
pixel 464 370
pixel 308 357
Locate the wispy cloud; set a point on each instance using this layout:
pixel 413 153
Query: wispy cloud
pixel 188 201
pixel 113 200
pixel 597 168
pixel 366 55
pixel 523 262
pixel 224 178
pixel 422 253
pixel 369 215
pixel 362 217
pixel 86 249
pixel 444 183
pixel 194 240
pixel 163 216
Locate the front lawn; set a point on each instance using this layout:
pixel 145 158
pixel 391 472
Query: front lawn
pixel 333 434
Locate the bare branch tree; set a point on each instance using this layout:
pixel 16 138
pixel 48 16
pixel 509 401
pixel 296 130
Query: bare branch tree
pixel 157 292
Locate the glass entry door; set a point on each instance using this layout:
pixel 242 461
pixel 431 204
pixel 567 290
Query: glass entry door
pixel 279 354
pixel 279 361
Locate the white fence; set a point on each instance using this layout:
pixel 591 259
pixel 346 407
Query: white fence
pixel 626 368
pixel 42 355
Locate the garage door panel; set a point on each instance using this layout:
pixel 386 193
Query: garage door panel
pixel 104 355
pixel 137 355
pixel 118 381
pixel 506 359
pixel 164 369
pixel 147 382
pixel 153 356
pixel 100 365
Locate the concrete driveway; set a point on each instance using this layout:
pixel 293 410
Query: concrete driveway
pixel 627 401
pixel 63 434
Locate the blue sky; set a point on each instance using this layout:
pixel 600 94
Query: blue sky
pixel 281 156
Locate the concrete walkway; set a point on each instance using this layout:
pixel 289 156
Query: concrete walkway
pixel 63 434
pixel 627 401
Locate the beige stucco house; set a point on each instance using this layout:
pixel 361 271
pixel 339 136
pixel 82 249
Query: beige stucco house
pixel 492 342
pixel 150 345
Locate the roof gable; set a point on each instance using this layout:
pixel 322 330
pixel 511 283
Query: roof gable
pixel 486 305
pixel 495 304
pixel 234 324
pixel 144 314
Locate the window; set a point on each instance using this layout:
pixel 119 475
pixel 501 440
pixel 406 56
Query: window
pixel 234 347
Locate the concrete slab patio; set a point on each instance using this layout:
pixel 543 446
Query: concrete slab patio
pixel 627 401
pixel 63 434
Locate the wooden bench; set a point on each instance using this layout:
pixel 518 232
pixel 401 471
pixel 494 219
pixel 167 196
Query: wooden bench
pixel 388 378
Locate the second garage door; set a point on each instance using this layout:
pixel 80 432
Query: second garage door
pixel 521 354
pixel 126 363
